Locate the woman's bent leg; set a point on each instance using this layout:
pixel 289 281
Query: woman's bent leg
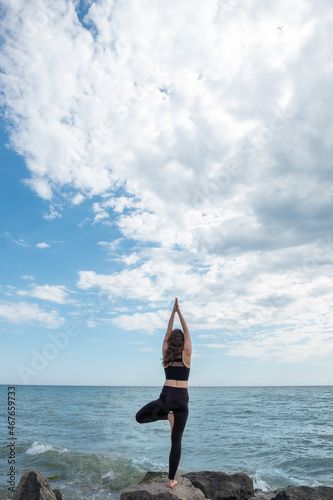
pixel 151 412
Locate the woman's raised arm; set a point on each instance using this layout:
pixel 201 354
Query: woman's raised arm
pixel 187 336
pixel 169 329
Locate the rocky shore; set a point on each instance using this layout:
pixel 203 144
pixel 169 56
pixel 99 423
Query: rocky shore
pixel 216 486
pixel 212 485
pixel 34 486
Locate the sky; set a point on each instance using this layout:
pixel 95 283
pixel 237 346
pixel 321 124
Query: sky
pixel 153 150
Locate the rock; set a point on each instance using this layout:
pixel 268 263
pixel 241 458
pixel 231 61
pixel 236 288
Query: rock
pixel 154 487
pixel 34 486
pixel 264 495
pixel 305 493
pixel 217 486
pixel 151 477
pixel 58 494
pixel 222 486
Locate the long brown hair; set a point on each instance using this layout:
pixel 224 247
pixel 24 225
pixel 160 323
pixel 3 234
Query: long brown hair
pixel 175 346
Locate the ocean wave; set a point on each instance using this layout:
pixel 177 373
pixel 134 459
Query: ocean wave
pixel 83 474
pixel 145 463
pixel 259 483
pixel 109 475
pixel 39 448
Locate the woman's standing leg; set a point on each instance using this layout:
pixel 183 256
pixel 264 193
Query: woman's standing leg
pixel 175 400
pixel 176 441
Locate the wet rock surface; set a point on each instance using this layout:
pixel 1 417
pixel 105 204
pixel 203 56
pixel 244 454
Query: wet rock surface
pixel 216 485
pixel 154 487
pixel 34 486
pixel 219 485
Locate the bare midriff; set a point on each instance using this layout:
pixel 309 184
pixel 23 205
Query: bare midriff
pixel 176 383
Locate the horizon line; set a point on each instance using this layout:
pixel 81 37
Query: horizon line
pixel 192 386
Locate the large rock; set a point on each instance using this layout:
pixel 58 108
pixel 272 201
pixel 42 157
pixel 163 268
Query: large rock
pixel 217 486
pixel 265 495
pixel 221 486
pixel 34 486
pixel 151 477
pixel 154 487
pixel 305 493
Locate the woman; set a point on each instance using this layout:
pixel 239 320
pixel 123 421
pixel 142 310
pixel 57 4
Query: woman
pixel 172 404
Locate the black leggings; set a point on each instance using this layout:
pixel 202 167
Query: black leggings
pixel 173 399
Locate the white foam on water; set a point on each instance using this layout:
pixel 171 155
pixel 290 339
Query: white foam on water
pixel 259 483
pixel 38 448
pixel 147 463
pixel 110 475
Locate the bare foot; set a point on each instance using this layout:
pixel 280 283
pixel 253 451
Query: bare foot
pixel 172 483
pixel 171 419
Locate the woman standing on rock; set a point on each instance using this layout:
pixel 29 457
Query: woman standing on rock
pixel 172 404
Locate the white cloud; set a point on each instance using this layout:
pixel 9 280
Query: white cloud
pixel 42 245
pixel 27 277
pixel 298 344
pixel 30 314
pixel 53 213
pixel 18 240
pixel 100 212
pixel 147 323
pixel 245 297
pixel 206 336
pixel 202 151
pixel 132 284
pixel 131 259
pixel 78 198
pixel 52 293
pixel 96 115
pixel 215 346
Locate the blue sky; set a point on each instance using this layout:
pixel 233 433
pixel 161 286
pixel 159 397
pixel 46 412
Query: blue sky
pixel 158 151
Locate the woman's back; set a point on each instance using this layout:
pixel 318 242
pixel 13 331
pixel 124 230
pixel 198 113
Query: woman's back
pixel 177 369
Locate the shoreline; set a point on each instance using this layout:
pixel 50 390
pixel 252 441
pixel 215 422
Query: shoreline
pixel 59 481
pixel 212 485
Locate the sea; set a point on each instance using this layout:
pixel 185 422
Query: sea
pixel 86 440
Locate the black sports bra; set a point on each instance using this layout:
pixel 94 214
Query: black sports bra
pixel 177 370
